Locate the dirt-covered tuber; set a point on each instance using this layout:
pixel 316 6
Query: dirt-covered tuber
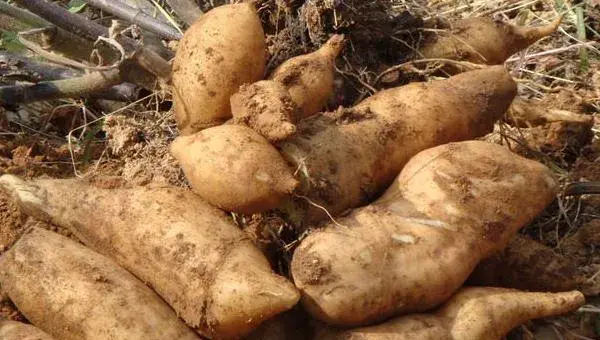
pixel 13 330
pixel 410 250
pixel 347 158
pixel 234 168
pixel 266 107
pixel 74 293
pixel 472 314
pixel 483 40
pixel 310 78
pixel 187 251
pixel 221 51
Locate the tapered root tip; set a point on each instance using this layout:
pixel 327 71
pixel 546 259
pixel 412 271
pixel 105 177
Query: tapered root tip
pixel 335 44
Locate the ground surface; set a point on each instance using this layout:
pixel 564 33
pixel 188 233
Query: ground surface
pixel 113 144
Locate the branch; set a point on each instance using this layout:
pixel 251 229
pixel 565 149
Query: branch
pixel 45 71
pixel 48 90
pixel 186 10
pixel 61 41
pixel 137 17
pixel 71 22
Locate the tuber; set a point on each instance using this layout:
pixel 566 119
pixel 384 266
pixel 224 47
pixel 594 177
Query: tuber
pixel 221 51
pixel 410 250
pixel 309 78
pixel 346 158
pixel 187 251
pixel 12 330
pixel 234 168
pixel 74 293
pixel 472 314
pixel 484 40
pixel 528 113
pixel 267 107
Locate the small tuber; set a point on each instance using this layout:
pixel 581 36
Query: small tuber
pixel 310 78
pixel 483 40
pixel 472 314
pixel 221 51
pixel 267 107
pixel 409 251
pixel 234 168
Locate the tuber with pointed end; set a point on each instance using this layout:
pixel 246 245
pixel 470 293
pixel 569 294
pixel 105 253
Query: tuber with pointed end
pixel 187 251
pixel 234 168
pixel 347 158
pixel 528 113
pixel 484 40
pixel 267 107
pixel 13 330
pixel 309 78
pixel 409 251
pixel 221 51
pixel 74 293
pixel 472 314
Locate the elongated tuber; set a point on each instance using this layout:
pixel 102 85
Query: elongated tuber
pixel 484 40
pixel 309 78
pixel 234 168
pixel 472 314
pixel 74 293
pixel 346 158
pixel 410 250
pixel 187 251
pixel 221 51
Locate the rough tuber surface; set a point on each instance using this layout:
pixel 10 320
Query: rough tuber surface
pixel 472 314
pixel 410 250
pixel 74 293
pixel 347 158
pixel 187 251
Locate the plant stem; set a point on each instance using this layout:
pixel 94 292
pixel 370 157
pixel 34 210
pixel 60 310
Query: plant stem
pixel 48 90
pixel 71 22
pixel 186 10
pixel 48 72
pixel 137 17
pixel 15 19
pixel 581 34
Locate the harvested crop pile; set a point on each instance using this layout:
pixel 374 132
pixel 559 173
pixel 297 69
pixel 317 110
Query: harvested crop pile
pixel 298 170
pixel 201 264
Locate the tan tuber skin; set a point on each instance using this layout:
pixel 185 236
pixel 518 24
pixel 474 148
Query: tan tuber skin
pixel 484 40
pixel 234 168
pixel 472 314
pixel 450 207
pixel 74 293
pixel 347 158
pixel 266 107
pixel 309 78
pixel 12 330
pixel 224 49
pixel 187 251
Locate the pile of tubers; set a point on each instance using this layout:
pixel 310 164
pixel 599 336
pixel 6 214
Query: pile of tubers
pixel 430 203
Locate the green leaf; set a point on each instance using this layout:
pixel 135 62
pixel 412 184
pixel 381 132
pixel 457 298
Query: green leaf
pixel 10 42
pixel 76 6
